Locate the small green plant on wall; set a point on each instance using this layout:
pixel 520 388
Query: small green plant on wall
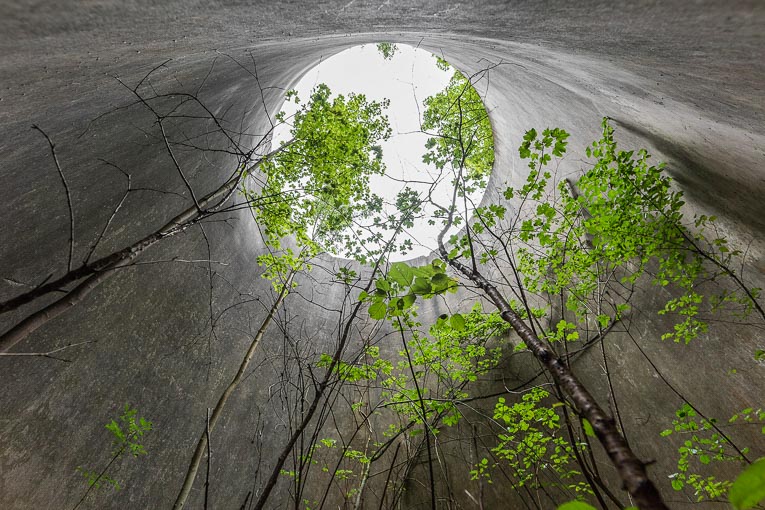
pixel 127 437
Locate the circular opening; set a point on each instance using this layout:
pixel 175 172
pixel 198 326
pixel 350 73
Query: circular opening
pixel 440 133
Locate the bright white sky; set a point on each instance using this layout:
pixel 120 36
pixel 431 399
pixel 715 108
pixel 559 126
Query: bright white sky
pixel 406 80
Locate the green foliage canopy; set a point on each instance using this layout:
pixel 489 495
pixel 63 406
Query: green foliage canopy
pixel 319 181
pixel 387 50
pixel 462 134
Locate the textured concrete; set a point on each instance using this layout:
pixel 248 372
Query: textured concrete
pixel 685 79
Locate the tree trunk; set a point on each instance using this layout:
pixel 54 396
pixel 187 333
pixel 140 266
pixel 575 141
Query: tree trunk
pixel 631 469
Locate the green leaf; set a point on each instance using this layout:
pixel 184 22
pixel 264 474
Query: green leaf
pixel 438 265
pixel 401 273
pixel 677 484
pixel 759 355
pixel 421 286
pixel 457 322
pixel 382 285
pixel 377 310
pixel 576 505
pixel 588 430
pixel 749 488
pixel 409 300
pixel 440 279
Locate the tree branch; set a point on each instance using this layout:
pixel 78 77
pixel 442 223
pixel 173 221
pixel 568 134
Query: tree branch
pixel 204 438
pixel 48 354
pixel 68 195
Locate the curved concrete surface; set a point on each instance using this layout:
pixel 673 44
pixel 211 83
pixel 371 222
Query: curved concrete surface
pixel 684 79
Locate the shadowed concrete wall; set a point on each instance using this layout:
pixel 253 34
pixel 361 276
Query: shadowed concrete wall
pixel 686 80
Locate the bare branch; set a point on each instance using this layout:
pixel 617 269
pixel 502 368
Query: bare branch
pixel 177 165
pixel 96 273
pixel 48 354
pixel 68 195
pixel 114 212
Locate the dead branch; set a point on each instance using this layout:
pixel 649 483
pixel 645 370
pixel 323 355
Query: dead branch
pixel 49 354
pixel 68 195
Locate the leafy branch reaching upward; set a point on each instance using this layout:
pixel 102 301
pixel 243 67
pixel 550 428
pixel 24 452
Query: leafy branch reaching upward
pixel 621 223
pixel 559 246
pixel 624 220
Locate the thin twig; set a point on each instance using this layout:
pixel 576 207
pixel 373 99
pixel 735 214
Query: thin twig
pixel 114 212
pixel 48 354
pixel 209 458
pixel 177 165
pixel 68 195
